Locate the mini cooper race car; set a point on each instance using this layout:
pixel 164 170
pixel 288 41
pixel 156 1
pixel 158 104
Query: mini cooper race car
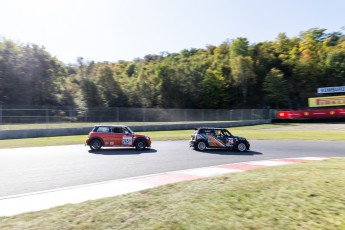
pixel 116 136
pixel 204 138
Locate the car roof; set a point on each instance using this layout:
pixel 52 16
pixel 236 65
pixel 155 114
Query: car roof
pixel 211 128
pixel 110 126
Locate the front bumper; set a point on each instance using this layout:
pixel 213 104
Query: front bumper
pixel 148 141
pixel 192 143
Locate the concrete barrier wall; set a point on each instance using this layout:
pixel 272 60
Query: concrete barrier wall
pixel 31 133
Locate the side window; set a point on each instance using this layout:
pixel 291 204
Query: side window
pixel 103 129
pixel 209 131
pixel 117 130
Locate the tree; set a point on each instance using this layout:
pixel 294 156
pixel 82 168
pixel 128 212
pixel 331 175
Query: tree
pixel 239 47
pixel 165 86
pixel 9 79
pixel 28 75
pixel 276 88
pixel 214 91
pixel 243 75
pixel 242 66
pixel 90 96
pixel 333 66
pixel 109 90
pixel 145 89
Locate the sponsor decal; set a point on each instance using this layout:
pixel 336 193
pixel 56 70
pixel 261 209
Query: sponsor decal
pixel 326 101
pixel 337 89
pixel 214 141
pixel 296 114
pixel 127 140
pixel 230 142
pixel 111 143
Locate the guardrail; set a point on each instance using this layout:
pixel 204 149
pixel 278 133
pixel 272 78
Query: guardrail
pixel 41 115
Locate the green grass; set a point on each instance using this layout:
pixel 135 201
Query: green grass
pixel 255 132
pixel 298 196
pixel 330 135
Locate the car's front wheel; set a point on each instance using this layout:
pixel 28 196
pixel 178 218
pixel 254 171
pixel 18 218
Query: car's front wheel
pixel 241 147
pixel 140 144
pixel 95 144
pixel 201 146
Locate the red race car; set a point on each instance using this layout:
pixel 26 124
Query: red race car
pixel 116 136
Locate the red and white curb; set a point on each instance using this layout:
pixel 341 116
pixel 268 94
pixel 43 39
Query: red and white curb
pixel 13 205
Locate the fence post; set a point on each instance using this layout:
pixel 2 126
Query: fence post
pixel 70 114
pixel 47 117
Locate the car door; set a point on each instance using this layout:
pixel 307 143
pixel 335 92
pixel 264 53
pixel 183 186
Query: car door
pixel 228 138
pixel 117 135
pixel 127 140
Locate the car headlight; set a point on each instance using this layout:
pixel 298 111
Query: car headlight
pixel 148 138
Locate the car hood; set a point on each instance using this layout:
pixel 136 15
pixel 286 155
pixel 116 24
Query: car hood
pixel 239 138
pixel 140 135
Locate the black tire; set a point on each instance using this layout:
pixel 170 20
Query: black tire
pixel 241 147
pixel 95 144
pixel 201 146
pixel 140 144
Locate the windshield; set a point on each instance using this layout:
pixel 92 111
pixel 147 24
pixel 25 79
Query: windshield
pixel 129 130
pixel 227 133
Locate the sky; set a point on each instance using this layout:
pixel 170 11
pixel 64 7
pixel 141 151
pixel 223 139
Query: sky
pixel 113 30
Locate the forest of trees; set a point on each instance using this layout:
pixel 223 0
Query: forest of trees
pixel 235 74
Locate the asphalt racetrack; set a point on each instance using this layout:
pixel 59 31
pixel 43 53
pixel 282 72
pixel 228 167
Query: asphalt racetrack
pixel 25 170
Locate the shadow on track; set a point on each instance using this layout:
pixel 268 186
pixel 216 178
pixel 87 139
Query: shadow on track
pixel 235 153
pixel 122 151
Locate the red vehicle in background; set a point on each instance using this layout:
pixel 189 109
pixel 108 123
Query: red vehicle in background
pixel 116 136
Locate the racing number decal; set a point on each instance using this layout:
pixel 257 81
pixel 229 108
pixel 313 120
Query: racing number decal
pixel 127 140
pixel 230 142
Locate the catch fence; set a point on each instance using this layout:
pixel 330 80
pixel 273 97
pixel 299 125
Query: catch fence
pixel 43 115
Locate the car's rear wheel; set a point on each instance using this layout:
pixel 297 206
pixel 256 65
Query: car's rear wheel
pixel 140 144
pixel 241 147
pixel 95 144
pixel 201 146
